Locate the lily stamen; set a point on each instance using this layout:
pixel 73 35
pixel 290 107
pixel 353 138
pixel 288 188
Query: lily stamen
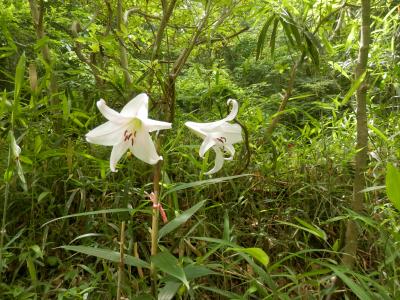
pixel 222 139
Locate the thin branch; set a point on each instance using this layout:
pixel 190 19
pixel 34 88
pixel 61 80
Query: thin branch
pixel 161 30
pixel 223 38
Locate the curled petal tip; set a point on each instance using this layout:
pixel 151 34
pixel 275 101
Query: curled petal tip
pixel 234 111
pixel 230 100
pixel 101 102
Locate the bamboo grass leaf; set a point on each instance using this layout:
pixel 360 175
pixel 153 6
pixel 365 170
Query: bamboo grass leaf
pixel 19 81
pixel 169 264
pixel 98 212
pixel 352 89
pixel 108 255
pixel 179 220
pixel 273 37
pixel 200 183
pixel 256 253
pixel 262 36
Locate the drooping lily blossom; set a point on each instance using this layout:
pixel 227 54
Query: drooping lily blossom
pixel 220 136
pixel 128 129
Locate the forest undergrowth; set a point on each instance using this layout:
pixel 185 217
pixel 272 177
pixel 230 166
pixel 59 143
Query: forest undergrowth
pixel 270 224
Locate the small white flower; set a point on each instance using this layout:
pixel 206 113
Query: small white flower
pixel 219 135
pixel 128 129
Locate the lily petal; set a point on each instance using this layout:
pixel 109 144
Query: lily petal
pixel 107 134
pixel 234 111
pixel 111 114
pixel 116 154
pixel 219 161
pixel 230 137
pixel 229 148
pixel 197 128
pixel 137 107
pixel 144 149
pixel 208 142
pixel 210 126
pixel 153 125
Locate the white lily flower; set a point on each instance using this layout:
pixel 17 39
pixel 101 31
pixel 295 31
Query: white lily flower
pixel 128 129
pixel 219 135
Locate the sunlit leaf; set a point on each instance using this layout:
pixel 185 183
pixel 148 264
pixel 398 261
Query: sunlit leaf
pixel 393 185
pixel 256 253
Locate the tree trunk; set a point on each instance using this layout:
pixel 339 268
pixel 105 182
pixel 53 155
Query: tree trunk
pixel 357 202
pixel 123 56
pixel 37 12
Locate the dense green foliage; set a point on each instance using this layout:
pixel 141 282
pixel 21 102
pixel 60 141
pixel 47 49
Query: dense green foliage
pixel 271 223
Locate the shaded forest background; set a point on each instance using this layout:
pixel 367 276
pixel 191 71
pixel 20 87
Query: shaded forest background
pixel 272 223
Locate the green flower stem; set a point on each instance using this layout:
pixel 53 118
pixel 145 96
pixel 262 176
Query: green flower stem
pixel 3 223
pixel 154 227
pixel 121 260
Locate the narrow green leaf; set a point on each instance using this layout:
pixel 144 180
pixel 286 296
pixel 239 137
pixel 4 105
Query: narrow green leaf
pixel 42 196
pixel 327 44
pixel 312 48
pixel 273 37
pixel 183 186
pixel 379 133
pixel 31 269
pixel 195 271
pixel 288 32
pixel 372 188
pixel 256 253
pixel 168 263
pixel 142 297
pixel 357 289
pixel 21 176
pixel 96 212
pixel 393 185
pixel 340 69
pixel 227 230
pixel 294 28
pixel 19 80
pixel 309 228
pixel 217 241
pixel 38 144
pixel 179 220
pixel 168 291
pixel 42 42
pixel 318 231
pixel 262 36
pixel 352 89
pixel 107 254
pixel 227 294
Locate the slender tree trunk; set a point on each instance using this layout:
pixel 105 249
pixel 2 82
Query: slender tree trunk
pixel 122 50
pixel 285 98
pixel 37 12
pixel 357 202
pixel 169 85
